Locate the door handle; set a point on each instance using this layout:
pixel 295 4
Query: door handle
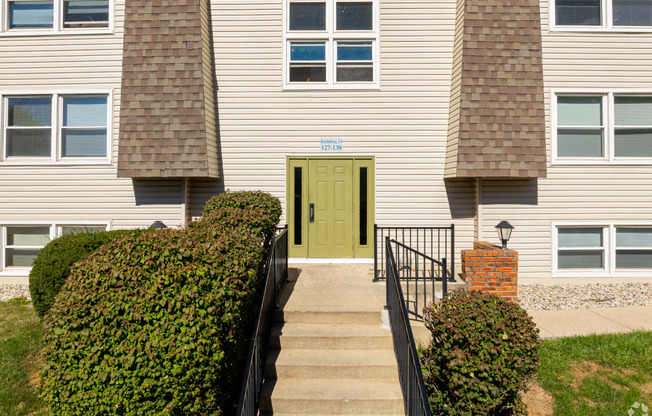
pixel 312 213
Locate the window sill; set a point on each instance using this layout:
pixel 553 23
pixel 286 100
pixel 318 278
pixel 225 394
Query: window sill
pixel 336 87
pixel 76 32
pixel 34 162
pixel 603 273
pixel 18 272
pixel 601 162
pixel 586 29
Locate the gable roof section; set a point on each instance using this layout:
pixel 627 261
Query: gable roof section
pixel 167 109
pixel 497 120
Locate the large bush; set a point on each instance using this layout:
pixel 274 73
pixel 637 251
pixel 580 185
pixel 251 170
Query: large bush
pixel 158 323
pixel 52 266
pixel 154 324
pixel 483 353
pixel 257 210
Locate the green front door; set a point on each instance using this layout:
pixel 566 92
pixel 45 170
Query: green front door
pixel 330 206
pixel 330 198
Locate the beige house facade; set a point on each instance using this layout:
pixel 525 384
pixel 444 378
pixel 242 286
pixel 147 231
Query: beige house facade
pixel 119 113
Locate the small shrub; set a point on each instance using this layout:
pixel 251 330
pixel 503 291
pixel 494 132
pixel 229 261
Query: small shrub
pixel 483 353
pixel 154 324
pixel 52 266
pixel 256 210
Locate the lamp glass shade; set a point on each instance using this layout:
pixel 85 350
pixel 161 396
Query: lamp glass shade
pixel 504 229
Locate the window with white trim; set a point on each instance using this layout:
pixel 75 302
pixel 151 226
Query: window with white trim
pixel 602 14
pixel 21 243
pixel 606 250
pixel 54 16
pixel 56 127
pixel 605 127
pixel 331 44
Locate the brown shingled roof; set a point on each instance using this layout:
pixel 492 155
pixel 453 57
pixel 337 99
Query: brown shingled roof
pixel 499 130
pixel 166 127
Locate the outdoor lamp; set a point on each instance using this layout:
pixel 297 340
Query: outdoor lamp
pixel 158 225
pixel 504 229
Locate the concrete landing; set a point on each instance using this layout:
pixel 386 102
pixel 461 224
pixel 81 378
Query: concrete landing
pixel 330 353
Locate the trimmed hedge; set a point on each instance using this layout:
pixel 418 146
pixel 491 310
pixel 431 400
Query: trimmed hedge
pixel 157 323
pixel 52 266
pixel 483 353
pixel 256 210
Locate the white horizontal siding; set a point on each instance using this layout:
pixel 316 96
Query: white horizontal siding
pixel 403 125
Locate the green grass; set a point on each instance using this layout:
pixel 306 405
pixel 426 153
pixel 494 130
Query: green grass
pixel 598 375
pixel 20 343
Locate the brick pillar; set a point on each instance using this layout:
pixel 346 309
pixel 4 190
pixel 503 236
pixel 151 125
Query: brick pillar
pixel 491 269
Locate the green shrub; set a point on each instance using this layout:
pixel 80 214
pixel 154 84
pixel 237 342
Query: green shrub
pixel 256 210
pixel 154 324
pixel 52 266
pixel 483 353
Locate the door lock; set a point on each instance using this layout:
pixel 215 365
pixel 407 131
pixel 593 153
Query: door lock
pixel 312 213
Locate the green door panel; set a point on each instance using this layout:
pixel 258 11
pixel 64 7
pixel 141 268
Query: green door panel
pixel 330 233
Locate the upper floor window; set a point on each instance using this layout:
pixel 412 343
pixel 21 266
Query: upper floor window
pixel 331 44
pixel 603 128
pixel 602 14
pixel 46 128
pixel 53 16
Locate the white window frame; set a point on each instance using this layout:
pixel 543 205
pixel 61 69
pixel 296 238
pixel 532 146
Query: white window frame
pixel 55 231
pixel 609 247
pixel 606 15
pixel 608 123
pixel 57 22
pixel 57 125
pixel 330 36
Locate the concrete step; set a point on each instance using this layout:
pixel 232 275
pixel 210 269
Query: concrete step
pixel 338 396
pixel 332 364
pixel 315 316
pixel 330 337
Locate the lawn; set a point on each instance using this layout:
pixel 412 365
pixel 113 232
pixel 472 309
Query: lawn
pixel 20 342
pixel 599 375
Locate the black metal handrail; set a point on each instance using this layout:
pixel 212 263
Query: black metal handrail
pixel 275 276
pixel 435 242
pixel 418 273
pixel 415 398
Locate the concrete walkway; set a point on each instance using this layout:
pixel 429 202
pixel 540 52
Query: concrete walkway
pixel 566 323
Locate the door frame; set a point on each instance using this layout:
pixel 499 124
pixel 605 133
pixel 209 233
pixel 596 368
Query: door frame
pixel 359 250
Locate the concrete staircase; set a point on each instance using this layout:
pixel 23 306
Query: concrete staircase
pixel 330 353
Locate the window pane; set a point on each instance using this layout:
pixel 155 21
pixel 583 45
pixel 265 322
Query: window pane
pixel 83 142
pixel 354 51
pixel 355 73
pixel 633 143
pixel 86 13
pixel 633 111
pixel 632 12
pixel 307 73
pixel 30 111
pixel 298 208
pixel 28 142
pixel 577 12
pixel 21 257
pixel 307 51
pixel 634 259
pixel 634 237
pixel 580 259
pixel 579 142
pixel 28 236
pixel 307 16
pixel 579 111
pixel 354 15
pixel 30 14
pixel 76 229
pixel 84 111
pixel 363 206
pixel 580 237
